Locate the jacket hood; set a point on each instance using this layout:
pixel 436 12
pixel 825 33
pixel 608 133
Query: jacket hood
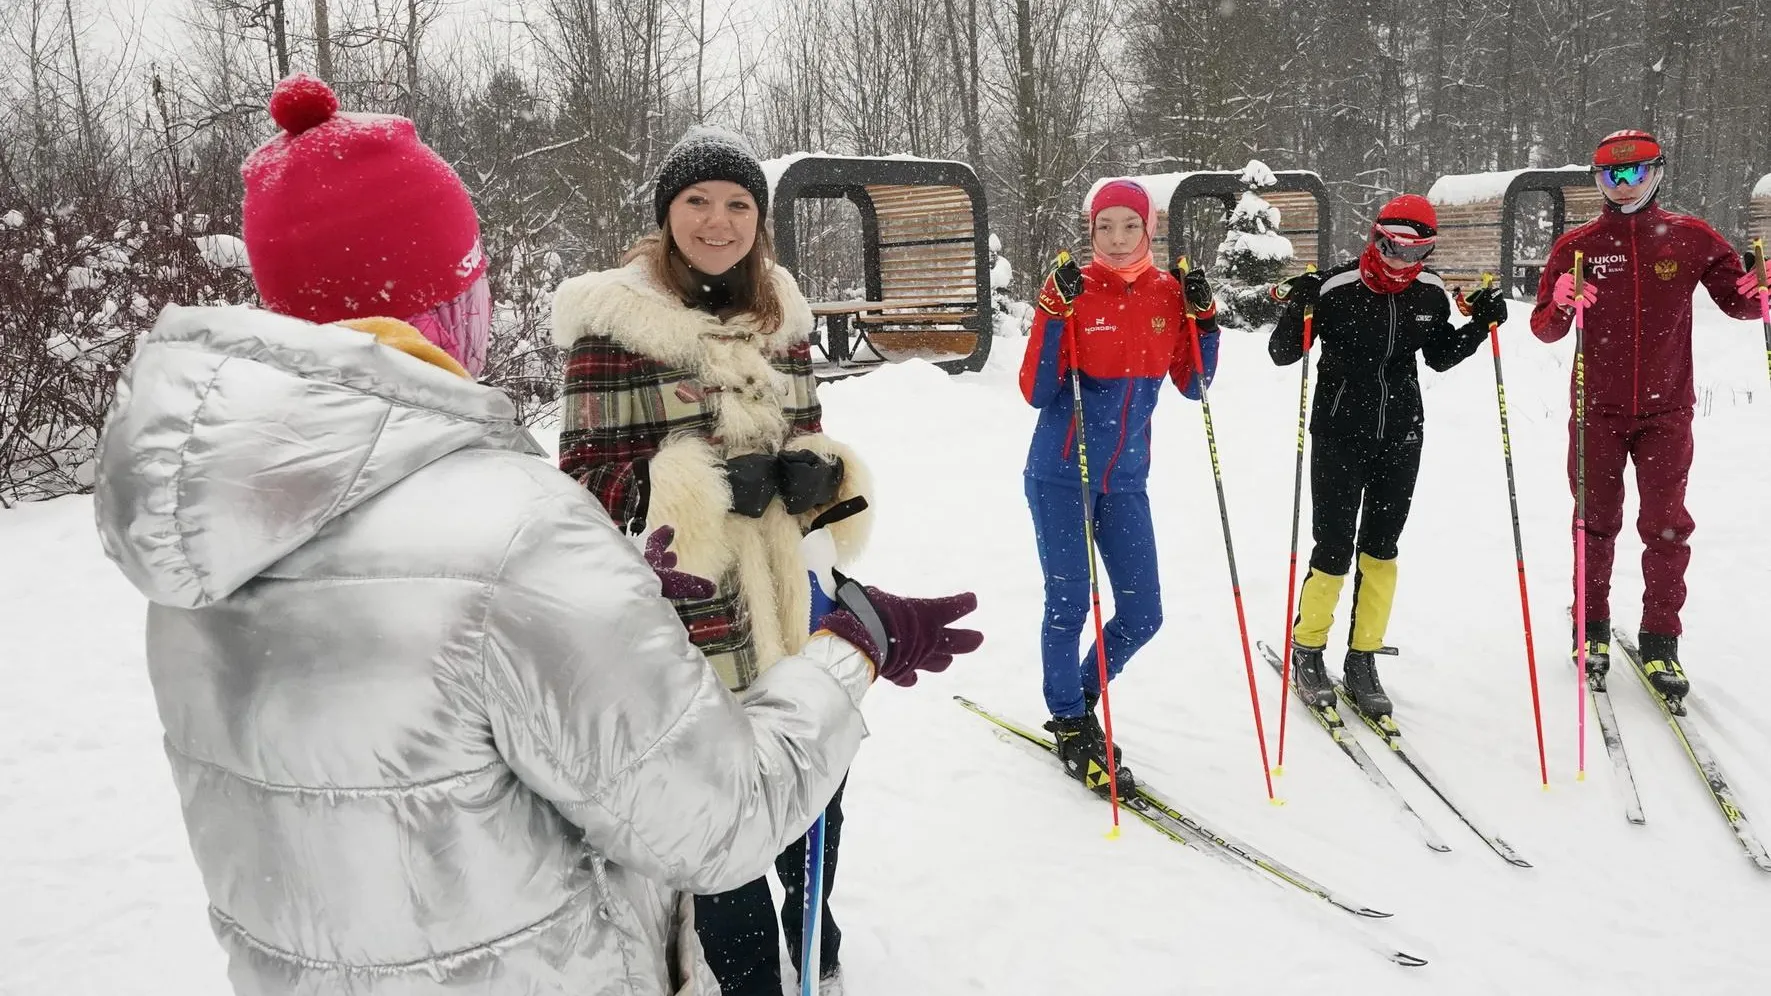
pixel 236 435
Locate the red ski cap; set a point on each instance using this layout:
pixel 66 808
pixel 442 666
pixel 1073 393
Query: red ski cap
pixel 1621 148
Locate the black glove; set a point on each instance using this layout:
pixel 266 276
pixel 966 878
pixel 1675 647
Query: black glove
pixel 1062 286
pixel 1304 289
pixel 808 480
pixel 1198 289
pixel 753 481
pixel 1487 308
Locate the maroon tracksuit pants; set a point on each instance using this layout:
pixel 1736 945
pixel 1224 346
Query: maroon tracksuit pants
pixel 1660 446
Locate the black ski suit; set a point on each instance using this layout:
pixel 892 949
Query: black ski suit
pixel 1367 421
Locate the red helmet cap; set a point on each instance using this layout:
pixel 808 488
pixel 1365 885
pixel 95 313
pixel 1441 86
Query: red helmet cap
pixel 1620 148
pixel 1409 216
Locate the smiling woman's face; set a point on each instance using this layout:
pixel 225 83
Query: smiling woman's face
pixel 713 225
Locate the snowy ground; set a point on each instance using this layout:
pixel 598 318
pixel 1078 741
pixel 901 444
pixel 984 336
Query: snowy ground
pixel 971 866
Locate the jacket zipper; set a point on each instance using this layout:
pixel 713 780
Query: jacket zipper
pixel 1383 384
pixel 1636 284
pixel 1124 408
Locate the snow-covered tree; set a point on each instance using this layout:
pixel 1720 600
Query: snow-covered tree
pixel 1253 255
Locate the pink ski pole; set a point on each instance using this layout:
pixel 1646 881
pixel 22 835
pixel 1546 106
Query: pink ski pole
pixel 1580 502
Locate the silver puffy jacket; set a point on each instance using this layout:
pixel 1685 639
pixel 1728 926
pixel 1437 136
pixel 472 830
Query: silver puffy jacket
pixel 433 728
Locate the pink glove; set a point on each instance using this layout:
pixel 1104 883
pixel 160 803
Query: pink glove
pixel 1748 286
pixel 1564 295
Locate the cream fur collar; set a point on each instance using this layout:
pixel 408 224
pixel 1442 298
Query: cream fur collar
pixel 627 306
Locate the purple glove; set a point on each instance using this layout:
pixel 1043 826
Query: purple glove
pixel 902 635
pixel 678 586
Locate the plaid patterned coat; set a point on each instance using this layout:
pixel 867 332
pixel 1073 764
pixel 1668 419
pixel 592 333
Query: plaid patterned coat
pixel 657 396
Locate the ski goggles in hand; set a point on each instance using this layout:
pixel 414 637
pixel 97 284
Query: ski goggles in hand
pixel 1629 174
pixel 1408 252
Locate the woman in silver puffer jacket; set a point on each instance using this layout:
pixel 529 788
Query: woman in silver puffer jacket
pixel 433 728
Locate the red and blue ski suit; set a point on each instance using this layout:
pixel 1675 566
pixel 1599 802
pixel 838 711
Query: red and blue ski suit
pixel 1125 338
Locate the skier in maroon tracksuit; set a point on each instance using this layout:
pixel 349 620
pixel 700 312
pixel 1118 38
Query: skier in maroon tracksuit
pixel 1643 263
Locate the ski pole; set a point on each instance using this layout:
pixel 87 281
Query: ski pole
pixel 1764 298
pixel 1506 449
pixel 1094 584
pixel 1297 511
pixel 1211 443
pixel 811 921
pixel 1580 502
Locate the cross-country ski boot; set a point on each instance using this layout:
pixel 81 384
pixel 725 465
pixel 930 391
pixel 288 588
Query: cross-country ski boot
pixel 1360 677
pixel 1311 677
pixel 1084 755
pixel 1660 659
pixel 1598 643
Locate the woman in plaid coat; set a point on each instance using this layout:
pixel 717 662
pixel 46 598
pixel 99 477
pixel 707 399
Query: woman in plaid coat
pixel 689 402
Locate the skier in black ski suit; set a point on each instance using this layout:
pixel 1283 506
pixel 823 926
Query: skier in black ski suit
pixel 1367 423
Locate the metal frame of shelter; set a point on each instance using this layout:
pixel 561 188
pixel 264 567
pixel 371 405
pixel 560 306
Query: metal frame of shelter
pixel 1759 210
pixel 1468 231
pixel 915 254
pixel 1228 186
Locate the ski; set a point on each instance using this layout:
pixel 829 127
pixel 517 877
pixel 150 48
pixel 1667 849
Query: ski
pixel 1189 828
pixel 1620 761
pixel 1612 734
pixel 1708 768
pixel 1386 728
pixel 1330 720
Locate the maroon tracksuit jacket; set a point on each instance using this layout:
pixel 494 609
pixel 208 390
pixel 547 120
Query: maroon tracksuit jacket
pixel 1644 268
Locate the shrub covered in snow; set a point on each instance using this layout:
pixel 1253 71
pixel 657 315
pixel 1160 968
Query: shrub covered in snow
pixel 79 291
pixel 1252 256
pixel 1010 317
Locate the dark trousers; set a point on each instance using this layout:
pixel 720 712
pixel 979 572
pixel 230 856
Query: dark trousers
pixel 1660 445
pixel 1360 494
pixel 737 928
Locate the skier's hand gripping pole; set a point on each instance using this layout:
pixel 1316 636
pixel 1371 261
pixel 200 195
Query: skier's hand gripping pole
pixel 1506 449
pixel 1211 443
pixel 1088 538
pixel 1580 502
pixel 1297 509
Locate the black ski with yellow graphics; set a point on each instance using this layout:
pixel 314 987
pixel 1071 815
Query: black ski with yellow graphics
pixel 1708 768
pixel 1329 719
pixel 1386 728
pixel 1183 827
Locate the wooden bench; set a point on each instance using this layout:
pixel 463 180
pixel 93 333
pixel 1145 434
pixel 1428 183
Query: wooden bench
pixel 924 281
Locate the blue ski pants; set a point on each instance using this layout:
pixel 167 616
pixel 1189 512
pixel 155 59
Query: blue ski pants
pixel 1127 544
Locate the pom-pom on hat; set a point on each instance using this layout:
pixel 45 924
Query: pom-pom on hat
pixel 350 215
pixel 709 153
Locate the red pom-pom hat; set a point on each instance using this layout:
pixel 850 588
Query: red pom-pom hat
pixel 351 216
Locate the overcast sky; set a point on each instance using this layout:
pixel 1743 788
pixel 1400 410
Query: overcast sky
pixel 156 30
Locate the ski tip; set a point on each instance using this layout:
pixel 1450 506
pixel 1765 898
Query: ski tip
pixel 1368 912
pixel 1407 960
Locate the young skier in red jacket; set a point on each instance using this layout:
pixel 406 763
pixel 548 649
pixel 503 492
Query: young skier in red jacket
pixel 1643 264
